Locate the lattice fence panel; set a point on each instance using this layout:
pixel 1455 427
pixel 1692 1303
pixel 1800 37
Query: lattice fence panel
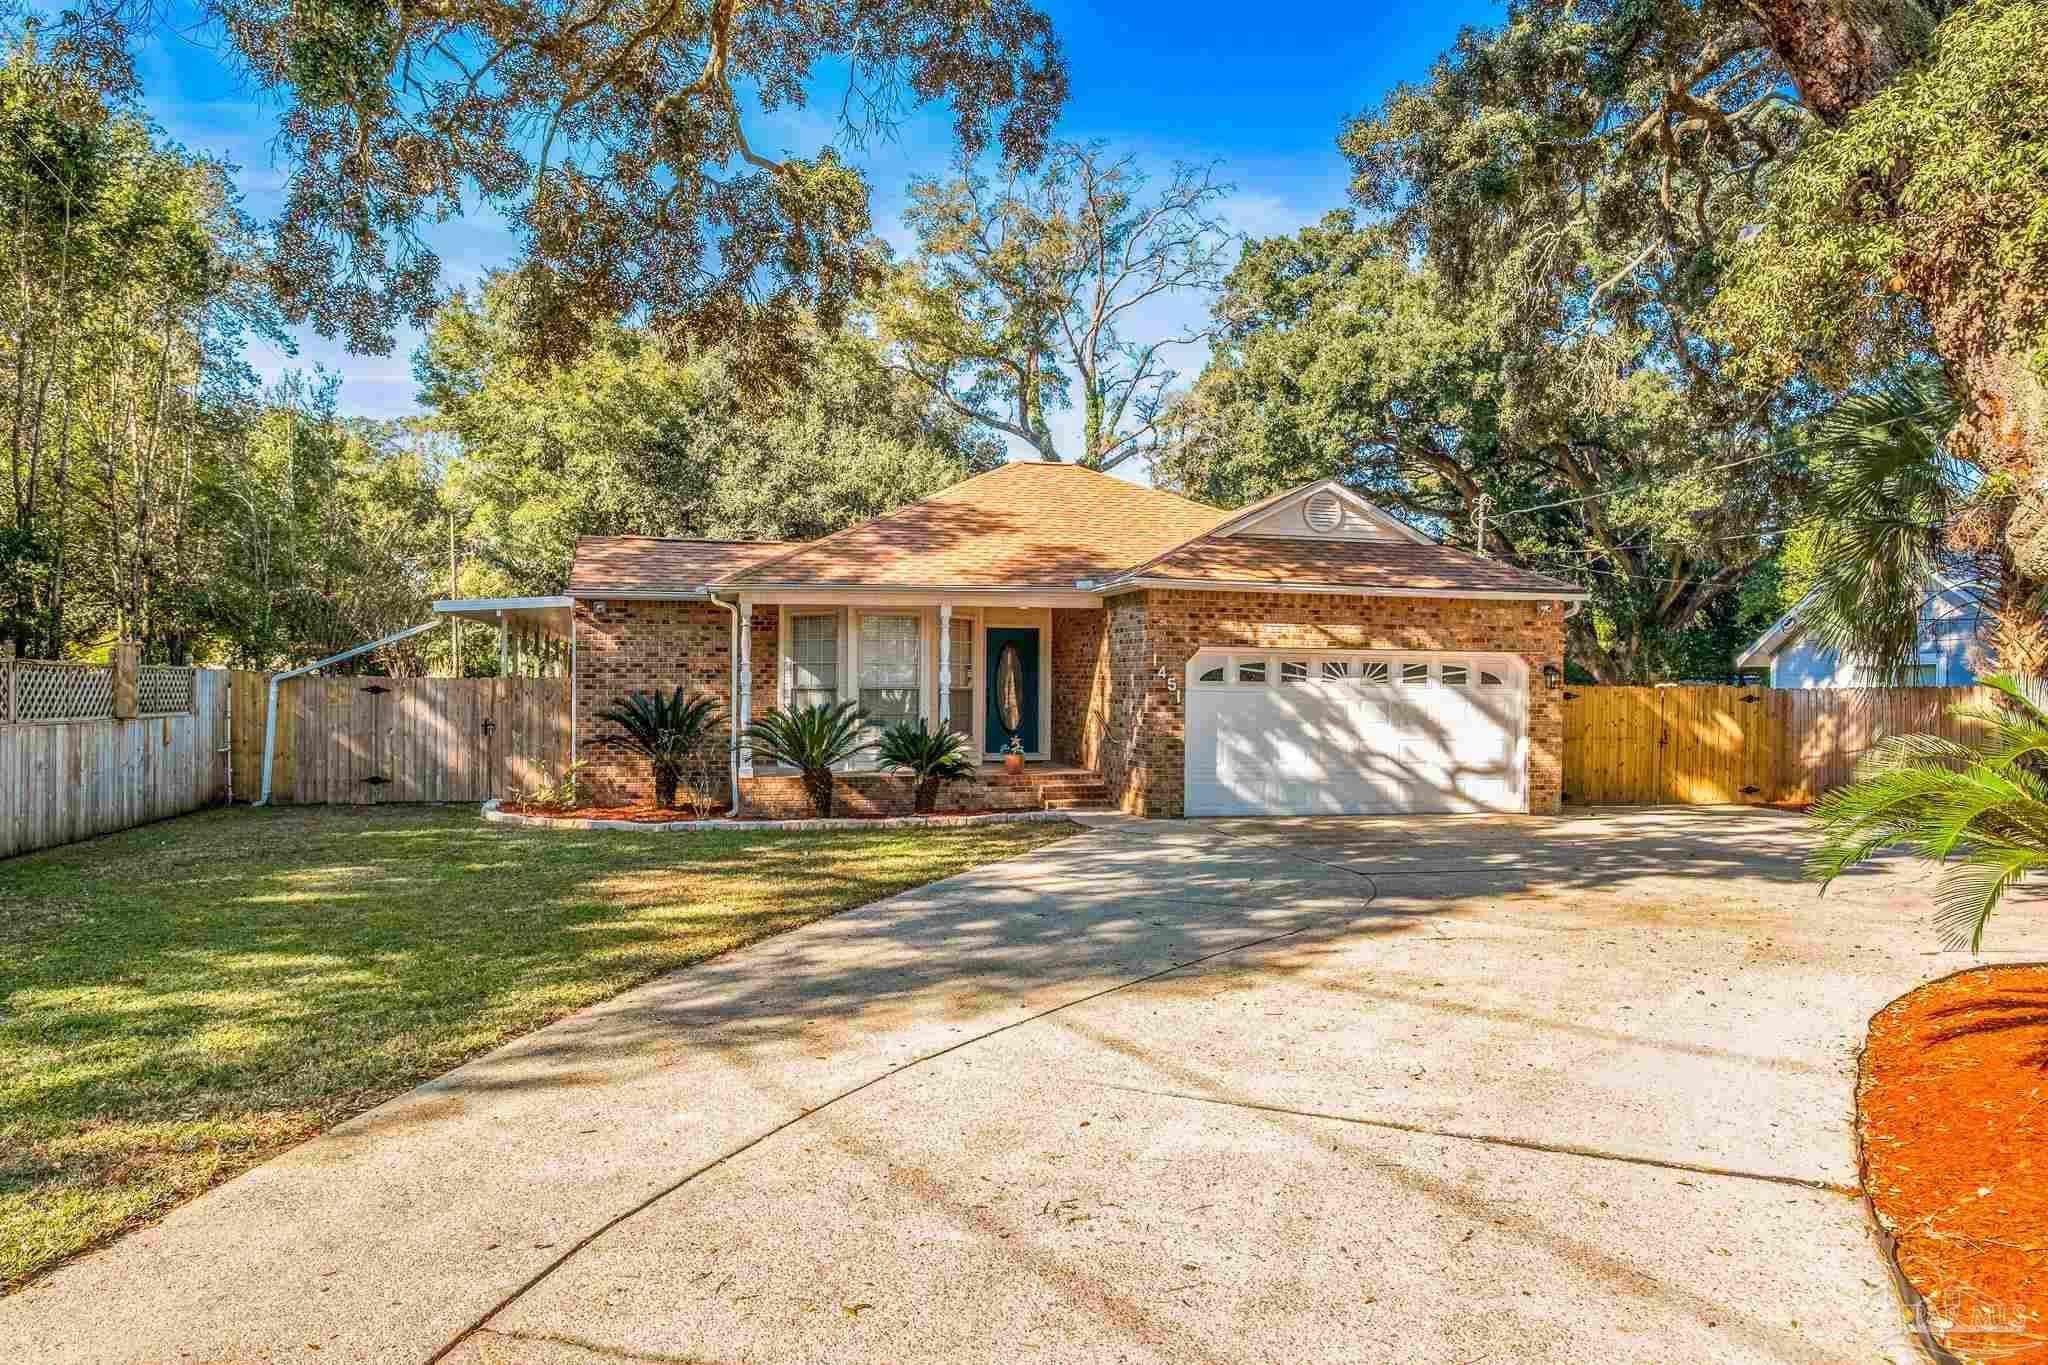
pixel 54 691
pixel 164 690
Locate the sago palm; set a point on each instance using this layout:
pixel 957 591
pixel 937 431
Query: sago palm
pixel 930 758
pixel 811 739
pixel 664 730
pixel 1978 810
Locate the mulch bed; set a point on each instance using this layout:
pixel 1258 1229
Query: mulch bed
pixel 662 815
pixel 1952 1112
pixel 642 814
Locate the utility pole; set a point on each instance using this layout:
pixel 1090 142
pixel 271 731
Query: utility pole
pixel 454 591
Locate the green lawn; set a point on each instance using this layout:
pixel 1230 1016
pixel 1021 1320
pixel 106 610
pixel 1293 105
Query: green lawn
pixel 181 1001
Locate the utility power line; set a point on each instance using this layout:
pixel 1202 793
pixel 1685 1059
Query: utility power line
pixel 1712 469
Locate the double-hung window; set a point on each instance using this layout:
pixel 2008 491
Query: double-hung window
pixel 814 659
pixel 888 668
pixel 959 680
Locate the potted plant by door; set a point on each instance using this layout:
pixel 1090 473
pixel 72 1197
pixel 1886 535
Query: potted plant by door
pixel 1013 755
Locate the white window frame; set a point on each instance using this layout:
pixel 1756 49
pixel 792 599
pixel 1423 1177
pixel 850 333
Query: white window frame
pixel 786 688
pixel 921 707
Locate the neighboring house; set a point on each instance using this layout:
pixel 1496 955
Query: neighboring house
pixel 1953 635
pixel 1309 654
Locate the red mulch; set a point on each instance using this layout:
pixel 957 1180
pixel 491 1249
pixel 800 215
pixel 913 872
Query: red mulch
pixel 1952 1108
pixel 659 815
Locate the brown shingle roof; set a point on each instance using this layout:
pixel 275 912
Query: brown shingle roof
pixel 1366 564
pixel 655 564
pixel 1025 524
pixel 1035 525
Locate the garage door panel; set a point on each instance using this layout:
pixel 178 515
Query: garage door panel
pixel 1348 744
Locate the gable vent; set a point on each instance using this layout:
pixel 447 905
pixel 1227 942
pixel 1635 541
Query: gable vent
pixel 1323 512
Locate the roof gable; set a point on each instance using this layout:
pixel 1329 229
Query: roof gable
pixel 1288 515
pixel 1945 600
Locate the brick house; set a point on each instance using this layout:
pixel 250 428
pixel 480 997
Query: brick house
pixel 1306 655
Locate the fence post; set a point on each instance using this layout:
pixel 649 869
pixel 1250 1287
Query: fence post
pixel 127 673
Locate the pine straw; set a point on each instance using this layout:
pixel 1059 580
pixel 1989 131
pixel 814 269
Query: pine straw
pixel 1952 1110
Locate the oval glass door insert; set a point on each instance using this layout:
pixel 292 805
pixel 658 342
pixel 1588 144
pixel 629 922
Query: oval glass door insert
pixel 1010 688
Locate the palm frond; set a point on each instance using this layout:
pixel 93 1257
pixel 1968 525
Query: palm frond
pixel 1970 891
pixel 1979 810
pixel 916 750
pixel 1907 751
pixel 1887 490
pixel 810 738
pixel 662 728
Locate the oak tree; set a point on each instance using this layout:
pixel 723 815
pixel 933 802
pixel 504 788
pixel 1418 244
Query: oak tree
pixel 1029 292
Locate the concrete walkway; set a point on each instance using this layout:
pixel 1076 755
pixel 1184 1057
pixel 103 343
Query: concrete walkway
pixel 1449 1089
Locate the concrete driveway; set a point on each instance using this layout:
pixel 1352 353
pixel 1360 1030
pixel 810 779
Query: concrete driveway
pixel 1446 1089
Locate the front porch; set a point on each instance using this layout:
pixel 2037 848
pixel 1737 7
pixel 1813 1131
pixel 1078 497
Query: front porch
pixel 868 792
pixel 982 665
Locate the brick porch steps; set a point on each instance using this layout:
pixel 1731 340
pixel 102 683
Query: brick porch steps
pixel 1076 792
pixel 1060 789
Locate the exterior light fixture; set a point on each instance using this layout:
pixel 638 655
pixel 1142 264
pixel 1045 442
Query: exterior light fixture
pixel 1552 678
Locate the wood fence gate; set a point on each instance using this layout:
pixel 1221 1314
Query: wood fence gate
pixel 358 741
pixel 1737 745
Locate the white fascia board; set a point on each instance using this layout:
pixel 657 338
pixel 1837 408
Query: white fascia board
pixel 894 595
pixel 1337 589
pixel 458 606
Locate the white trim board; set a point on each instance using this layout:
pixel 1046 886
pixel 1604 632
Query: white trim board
pixel 1333 589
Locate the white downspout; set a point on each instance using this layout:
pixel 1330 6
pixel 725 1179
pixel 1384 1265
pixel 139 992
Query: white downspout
pixel 270 712
pixel 732 693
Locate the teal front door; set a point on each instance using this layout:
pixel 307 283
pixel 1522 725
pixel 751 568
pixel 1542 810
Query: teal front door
pixel 1012 705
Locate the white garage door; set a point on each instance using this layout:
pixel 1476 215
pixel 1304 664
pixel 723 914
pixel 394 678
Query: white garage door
pixel 1343 733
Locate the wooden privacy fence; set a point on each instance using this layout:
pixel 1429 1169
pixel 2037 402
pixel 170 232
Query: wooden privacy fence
pixel 351 741
pixel 1737 745
pixel 70 767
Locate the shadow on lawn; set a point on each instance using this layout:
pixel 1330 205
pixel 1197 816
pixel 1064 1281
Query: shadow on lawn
pixel 1096 912
pixel 257 959
pixel 292 954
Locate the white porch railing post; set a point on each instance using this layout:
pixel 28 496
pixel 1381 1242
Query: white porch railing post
pixel 945 665
pixel 746 697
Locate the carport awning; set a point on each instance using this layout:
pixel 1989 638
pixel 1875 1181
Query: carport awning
pixel 549 616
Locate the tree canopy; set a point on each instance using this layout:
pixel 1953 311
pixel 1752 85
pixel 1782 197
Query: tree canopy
pixel 615 135
pixel 1340 357
pixel 1027 294
pixel 643 435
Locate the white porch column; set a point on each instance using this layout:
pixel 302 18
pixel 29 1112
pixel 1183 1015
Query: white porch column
pixel 945 665
pixel 785 659
pixel 746 697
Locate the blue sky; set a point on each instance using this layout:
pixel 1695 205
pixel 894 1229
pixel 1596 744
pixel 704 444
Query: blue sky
pixel 1190 81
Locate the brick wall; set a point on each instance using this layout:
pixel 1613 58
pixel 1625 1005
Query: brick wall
pixel 1110 711
pixel 781 796
pixel 1145 742
pixel 649 646
pixel 1080 684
